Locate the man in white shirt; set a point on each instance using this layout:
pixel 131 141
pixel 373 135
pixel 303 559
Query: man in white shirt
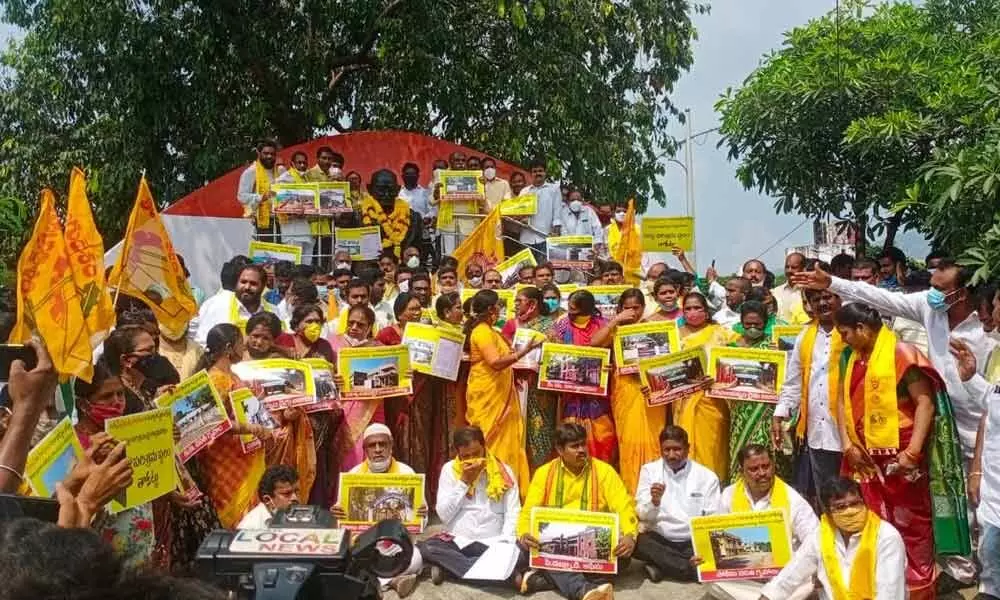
pixel 278 489
pixel 735 293
pixel 414 193
pixel 236 307
pixel 358 294
pixel 847 523
pixel 788 295
pixel 295 228
pixel 578 218
pixel 671 491
pixel 497 189
pixel 546 221
pixel 478 542
pixel 254 196
pixel 814 404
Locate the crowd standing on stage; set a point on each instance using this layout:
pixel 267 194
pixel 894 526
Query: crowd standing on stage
pixel 885 419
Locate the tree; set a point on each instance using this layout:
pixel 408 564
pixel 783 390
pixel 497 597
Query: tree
pixel 181 88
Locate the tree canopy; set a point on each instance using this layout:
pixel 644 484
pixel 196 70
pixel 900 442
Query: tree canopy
pixel 182 88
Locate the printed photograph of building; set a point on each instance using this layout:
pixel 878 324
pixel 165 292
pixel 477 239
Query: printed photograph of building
pixel 741 548
pixel 645 345
pixel 375 373
pixel 374 504
pixel 668 377
pixel 733 375
pixel 574 369
pixel 577 541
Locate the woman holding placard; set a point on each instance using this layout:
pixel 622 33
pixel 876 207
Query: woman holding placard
pixel 358 414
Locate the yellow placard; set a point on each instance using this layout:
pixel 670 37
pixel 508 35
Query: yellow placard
pixel 197 412
pixel 368 498
pixel 570 251
pixel 462 185
pixel 746 373
pixel 434 351
pixel 579 541
pixel 606 298
pixel 674 376
pixel 295 198
pixel 661 234
pixel 520 206
pixel 577 369
pixel 52 459
pixel 509 268
pixel 248 410
pixel 377 372
pixel 266 253
pixel 149 444
pixel 644 340
pixel 326 388
pixel 746 545
pixel 506 300
pixel 362 243
pixel 279 382
pixel 333 197
pixel 783 336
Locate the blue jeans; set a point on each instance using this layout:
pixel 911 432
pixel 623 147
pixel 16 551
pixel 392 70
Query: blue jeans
pixel 989 556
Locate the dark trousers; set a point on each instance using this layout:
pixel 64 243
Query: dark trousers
pixel 271 233
pixel 813 468
pixel 573 586
pixel 672 558
pixel 447 555
pixel 322 253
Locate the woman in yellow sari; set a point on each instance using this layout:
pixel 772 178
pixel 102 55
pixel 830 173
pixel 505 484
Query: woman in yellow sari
pixel 706 420
pixel 492 402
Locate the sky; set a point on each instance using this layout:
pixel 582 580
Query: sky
pixel 733 224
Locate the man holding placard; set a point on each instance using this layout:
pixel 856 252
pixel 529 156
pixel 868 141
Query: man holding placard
pixel 546 220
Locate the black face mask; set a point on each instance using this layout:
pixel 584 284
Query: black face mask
pixel 157 372
pixel 411 180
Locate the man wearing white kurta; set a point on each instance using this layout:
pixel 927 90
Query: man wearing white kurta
pixel 295 228
pixel 845 523
pixel 479 518
pixel 672 490
pixel 234 307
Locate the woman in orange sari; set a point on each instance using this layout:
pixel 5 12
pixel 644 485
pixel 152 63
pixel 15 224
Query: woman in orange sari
pixel 886 414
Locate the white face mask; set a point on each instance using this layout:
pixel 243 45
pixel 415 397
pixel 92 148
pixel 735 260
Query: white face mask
pixel 404 286
pixel 413 262
pixel 575 206
pixel 620 216
pixel 380 466
pixel 476 281
pixel 335 172
pixel 490 173
pixel 343 265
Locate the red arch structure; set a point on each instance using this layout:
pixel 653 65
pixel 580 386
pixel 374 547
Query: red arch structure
pixel 364 152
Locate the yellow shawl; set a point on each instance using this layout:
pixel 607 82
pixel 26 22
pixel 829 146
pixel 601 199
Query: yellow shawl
pixel 881 423
pixel 498 481
pixel 263 186
pixel 779 497
pixel 837 346
pixel 862 586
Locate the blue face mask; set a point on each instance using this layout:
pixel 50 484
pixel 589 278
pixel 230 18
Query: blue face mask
pixel 938 300
pixel 322 291
pixel 552 303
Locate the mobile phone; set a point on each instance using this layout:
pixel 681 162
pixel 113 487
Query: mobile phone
pixel 11 352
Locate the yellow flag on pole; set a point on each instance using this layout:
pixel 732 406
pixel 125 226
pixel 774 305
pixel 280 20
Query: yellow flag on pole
pixel 86 254
pixel 148 268
pixel 629 251
pixel 48 302
pixel 484 246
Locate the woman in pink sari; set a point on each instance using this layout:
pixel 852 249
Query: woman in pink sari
pixel 358 414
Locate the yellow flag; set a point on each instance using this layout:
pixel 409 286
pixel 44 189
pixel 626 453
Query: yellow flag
pixel 86 254
pixel 148 268
pixel 484 246
pixel 48 302
pixel 629 252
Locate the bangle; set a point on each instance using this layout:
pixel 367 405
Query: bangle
pixel 12 471
pixel 971 473
pixel 911 455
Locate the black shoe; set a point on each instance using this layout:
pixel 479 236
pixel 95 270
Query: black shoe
pixel 437 575
pixel 653 573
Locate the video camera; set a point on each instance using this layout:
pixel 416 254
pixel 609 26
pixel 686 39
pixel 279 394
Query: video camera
pixel 303 556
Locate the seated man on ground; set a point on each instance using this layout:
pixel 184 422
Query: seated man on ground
pixel 854 553
pixel 576 481
pixel 670 492
pixel 478 503
pixel 377 442
pixel 278 489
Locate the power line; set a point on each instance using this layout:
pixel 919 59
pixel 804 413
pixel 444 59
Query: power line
pixel 783 238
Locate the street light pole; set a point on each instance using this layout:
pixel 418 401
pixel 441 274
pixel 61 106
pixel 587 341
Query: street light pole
pixel 689 185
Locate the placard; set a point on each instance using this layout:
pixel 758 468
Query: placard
pixel 674 376
pixel 783 336
pixel 525 205
pixel 368 498
pixel 434 351
pixel 639 341
pixel 570 251
pixel 746 373
pixel 574 540
pixel 266 253
pixel 333 198
pixel 462 185
pixel 295 198
pixel 326 388
pixel 505 302
pixel 577 369
pixel 565 289
pixel 745 545
pixel 278 382
pixel 362 243
pixel 149 445
pixel 197 412
pixel 249 410
pixel 509 268
pixel 606 298
pixel 378 372
pixel 531 360
pixel 52 459
pixel 661 234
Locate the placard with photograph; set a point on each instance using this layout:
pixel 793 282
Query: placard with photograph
pixel 433 350
pixel 149 445
pixel 606 298
pixel 783 336
pixel 746 373
pixel 197 412
pixel 524 205
pixel 362 243
pixel 278 382
pixel 505 302
pixel 333 198
pixel 577 369
pixel 523 337
pixel 52 459
pixel 462 185
pixel 579 541
pixel 639 341
pixel 266 253
pixel 378 372
pixel 509 268
pixel 326 388
pixel 295 198
pixel 674 376
pixel 565 289
pixel 571 251
pixel 745 545
pixel 661 234
pixel 249 410
pixel 368 498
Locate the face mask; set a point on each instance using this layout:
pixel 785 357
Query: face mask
pixel 157 372
pixel 311 332
pixel 413 262
pixel 851 520
pixel 695 319
pixel 476 281
pixel 344 265
pixel 620 216
pixel 575 206
pixel 410 181
pixel 335 172
pixel 404 286
pixel 552 303
pixel 490 173
pixel 668 306
pixel 753 333
pixel 99 413
pixel 322 291
pixel 581 320
pixel 938 300
pixel 379 466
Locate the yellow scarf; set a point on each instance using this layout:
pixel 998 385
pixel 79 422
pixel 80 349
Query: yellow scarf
pixel 234 312
pixel 862 586
pixel 295 175
pixel 393 468
pixel 497 479
pixel 881 416
pixel 779 497
pixel 837 346
pixel 262 186
pixel 394 225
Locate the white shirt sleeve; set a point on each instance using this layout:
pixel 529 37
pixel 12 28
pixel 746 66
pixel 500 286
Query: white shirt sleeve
pixel 891 304
pixel 804 521
pixel 555 198
pixel 804 564
pixel 245 192
pixel 451 492
pixel 890 564
pixel 791 389
pixel 596 230
pixel 712 496
pixel 644 499
pixel 716 295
